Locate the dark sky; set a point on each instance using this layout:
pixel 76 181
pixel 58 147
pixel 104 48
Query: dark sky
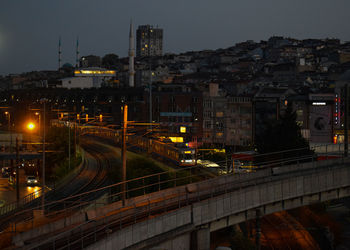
pixel 29 29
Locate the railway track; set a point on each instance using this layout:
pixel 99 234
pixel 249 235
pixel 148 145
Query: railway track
pixel 92 175
pixel 282 231
pixel 91 231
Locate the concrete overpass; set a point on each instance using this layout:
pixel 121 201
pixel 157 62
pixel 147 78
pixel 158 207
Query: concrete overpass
pixel 27 155
pixel 187 214
pixel 234 199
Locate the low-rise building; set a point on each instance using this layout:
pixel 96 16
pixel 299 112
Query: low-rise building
pixel 88 78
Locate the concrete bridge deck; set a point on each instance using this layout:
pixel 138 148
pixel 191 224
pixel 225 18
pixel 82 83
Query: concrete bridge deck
pixel 191 212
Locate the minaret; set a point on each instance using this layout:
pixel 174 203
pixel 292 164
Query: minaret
pixel 59 53
pixel 131 56
pixel 77 54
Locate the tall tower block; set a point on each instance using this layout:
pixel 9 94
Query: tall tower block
pixel 59 53
pixel 149 41
pixel 131 56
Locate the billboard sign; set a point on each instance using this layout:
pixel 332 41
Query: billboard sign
pixel 321 123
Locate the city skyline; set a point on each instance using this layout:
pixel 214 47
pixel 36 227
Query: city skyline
pixel 29 31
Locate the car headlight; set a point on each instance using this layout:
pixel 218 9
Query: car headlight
pixel 35 181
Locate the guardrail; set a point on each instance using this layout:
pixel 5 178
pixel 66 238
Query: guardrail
pixel 22 202
pixel 329 150
pixel 89 232
pixel 146 185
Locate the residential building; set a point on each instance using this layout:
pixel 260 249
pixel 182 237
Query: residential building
pixel 239 121
pixel 149 41
pixel 214 112
pixel 175 106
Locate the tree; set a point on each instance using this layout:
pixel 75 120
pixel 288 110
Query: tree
pixel 283 135
pixel 57 138
pixel 110 61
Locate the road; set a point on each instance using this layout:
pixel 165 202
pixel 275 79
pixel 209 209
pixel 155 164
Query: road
pixel 8 192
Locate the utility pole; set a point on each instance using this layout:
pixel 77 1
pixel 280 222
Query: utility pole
pixel 150 78
pixel 150 93
pixel 43 169
pixel 346 121
pixel 9 129
pixel 17 170
pixel 125 124
pixel 68 144
pixel 75 132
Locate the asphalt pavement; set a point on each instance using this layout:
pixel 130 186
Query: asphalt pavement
pixel 8 191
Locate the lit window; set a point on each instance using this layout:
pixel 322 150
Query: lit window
pixel 182 129
pixel 219 114
pixel 219 135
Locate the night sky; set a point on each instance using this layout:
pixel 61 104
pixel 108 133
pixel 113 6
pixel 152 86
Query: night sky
pixel 29 29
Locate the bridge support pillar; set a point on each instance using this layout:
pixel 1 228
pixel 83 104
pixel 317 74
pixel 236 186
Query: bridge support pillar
pixel 258 229
pixel 200 239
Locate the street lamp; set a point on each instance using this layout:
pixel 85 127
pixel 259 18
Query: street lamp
pixel 9 129
pixel 43 101
pixel 125 124
pixel 68 124
pixel 31 126
pixel 38 114
pixel 42 115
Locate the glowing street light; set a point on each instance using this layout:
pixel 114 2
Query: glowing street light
pixel 30 126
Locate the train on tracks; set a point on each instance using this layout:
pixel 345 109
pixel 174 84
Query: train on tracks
pixel 177 153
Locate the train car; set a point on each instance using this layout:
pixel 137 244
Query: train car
pixel 244 161
pixel 187 156
pixel 178 154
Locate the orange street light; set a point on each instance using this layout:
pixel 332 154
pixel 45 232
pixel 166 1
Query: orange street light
pixel 30 126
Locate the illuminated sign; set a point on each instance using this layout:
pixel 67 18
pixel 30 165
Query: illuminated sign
pixel 94 72
pixel 182 129
pixel 318 104
pixel 188 152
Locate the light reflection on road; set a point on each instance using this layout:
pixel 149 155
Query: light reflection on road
pixel 8 192
pixel 34 191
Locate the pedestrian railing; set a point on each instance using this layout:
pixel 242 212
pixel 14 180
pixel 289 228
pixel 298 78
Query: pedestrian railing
pixel 91 231
pixel 138 187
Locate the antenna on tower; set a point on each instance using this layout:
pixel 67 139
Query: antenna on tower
pixel 77 54
pixel 59 53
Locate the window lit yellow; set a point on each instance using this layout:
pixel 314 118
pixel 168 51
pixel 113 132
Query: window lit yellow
pixel 176 139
